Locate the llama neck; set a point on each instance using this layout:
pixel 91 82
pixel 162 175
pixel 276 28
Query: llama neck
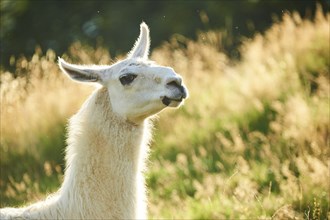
pixel 105 158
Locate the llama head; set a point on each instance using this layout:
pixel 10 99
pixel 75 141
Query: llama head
pixel 138 87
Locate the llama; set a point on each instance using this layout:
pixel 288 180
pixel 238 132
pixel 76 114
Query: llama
pixel 108 139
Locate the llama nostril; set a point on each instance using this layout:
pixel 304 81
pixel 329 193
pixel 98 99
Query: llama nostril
pixel 177 83
pixel 174 81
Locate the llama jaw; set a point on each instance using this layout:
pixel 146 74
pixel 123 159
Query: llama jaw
pixel 173 102
pixel 167 101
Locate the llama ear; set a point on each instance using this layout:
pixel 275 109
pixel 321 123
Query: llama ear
pixel 79 73
pixel 142 44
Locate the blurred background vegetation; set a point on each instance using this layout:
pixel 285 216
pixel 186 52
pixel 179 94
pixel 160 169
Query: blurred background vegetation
pixel 55 25
pixel 251 142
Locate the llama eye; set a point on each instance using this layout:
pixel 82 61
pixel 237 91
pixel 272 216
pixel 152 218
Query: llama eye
pixel 127 78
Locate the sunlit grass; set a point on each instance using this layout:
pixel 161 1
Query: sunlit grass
pixel 252 141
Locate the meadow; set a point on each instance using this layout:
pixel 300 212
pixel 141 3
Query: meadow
pixel 251 142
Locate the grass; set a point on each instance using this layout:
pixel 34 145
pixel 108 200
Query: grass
pixel 251 142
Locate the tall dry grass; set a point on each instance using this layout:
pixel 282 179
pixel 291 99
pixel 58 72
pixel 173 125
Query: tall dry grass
pixel 254 136
pixel 40 96
pixel 252 141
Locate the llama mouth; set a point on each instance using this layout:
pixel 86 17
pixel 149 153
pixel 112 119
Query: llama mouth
pixel 167 101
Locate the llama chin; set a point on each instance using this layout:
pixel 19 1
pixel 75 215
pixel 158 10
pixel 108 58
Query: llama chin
pixel 108 139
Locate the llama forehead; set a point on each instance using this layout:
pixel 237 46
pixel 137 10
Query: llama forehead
pixel 145 68
pixel 141 63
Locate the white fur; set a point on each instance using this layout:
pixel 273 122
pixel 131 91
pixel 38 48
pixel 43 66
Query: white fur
pixel 108 140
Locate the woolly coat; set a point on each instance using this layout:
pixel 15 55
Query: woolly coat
pixel 104 168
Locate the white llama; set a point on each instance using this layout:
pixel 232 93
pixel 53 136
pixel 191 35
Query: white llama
pixel 108 139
